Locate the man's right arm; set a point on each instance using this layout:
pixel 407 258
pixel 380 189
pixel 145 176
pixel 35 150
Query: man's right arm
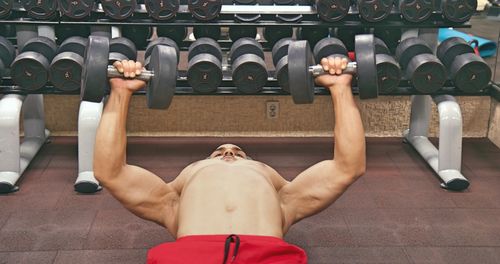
pixel 139 190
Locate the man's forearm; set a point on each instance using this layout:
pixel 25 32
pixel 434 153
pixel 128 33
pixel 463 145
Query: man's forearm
pixel 350 149
pixel 111 138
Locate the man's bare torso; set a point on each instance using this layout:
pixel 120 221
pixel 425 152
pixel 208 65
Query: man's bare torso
pixel 221 197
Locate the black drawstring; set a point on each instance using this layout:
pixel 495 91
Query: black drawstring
pixel 227 246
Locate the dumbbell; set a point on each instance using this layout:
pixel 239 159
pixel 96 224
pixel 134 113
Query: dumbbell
pixel 347 35
pixel 162 41
pixel 175 33
pixel 30 69
pixel 40 9
pixel 237 32
pixel 205 10
pixel 139 35
pixel 302 69
pixel 7 54
pixel 204 72
pixel 332 10
pixel 161 77
pixel 312 34
pixel 248 67
pixel 416 10
pixel 76 9
pixel 288 18
pixel 280 61
pixel 274 34
pixel 458 11
pixel 388 70
pixel 212 32
pixel 374 10
pixel 162 9
pixel 5 8
pixel 420 66
pixel 66 67
pixel 468 71
pixel 119 9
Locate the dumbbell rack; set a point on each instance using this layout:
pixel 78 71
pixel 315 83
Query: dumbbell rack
pixel 445 161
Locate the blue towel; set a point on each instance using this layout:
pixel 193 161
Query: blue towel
pixel 486 47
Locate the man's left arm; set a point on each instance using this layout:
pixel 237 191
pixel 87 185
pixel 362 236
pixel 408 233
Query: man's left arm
pixel 320 185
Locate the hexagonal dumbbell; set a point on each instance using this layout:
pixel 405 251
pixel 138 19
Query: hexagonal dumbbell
pixel 388 70
pixel 205 65
pixel 468 71
pixel 30 69
pixel 248 66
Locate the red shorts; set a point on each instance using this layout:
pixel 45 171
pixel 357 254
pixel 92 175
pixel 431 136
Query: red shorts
pixel 235 249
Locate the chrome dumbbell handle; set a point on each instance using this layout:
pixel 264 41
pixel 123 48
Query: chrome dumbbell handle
pixel 317 70
pixel 144 76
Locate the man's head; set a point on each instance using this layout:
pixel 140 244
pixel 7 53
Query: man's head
pixel 228 152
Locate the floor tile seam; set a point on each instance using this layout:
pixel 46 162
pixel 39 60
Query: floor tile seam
pixel 90 229
pixel 9 215
pixel 410 259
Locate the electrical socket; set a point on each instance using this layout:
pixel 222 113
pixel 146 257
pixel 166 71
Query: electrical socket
pixel 272 109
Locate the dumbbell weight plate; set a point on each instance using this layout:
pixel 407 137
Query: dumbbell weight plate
pixel 94 73
pixel 332 10
pixel 327 47
pixel 470 73
pixel 161 87
pixel 416 10
pixel 364 47
pixel 7 51
pixel 73 44
pixel 5 8
pixel 450 48
pixel 388 73
pixel 30 70
pixel 204 73
pixel 301 81
pixel 119 9
pixel 162 41
pixel 249 73
pixel 281 73
pixel 280 49
pixel 409 48
pixel 205 9
pixel 458 11
pixel 40 9
pixel 426 73
pixel 76 9
pixel 42 45
pixel 205 45
pixel 380 47
pixel 162 9
pixel 245 46
pixel 123 46
pixel 66 71
pixel 374 10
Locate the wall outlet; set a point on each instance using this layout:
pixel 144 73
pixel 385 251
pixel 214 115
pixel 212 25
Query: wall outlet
pixel 272 109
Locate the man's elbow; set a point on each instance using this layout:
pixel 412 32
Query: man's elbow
pixel 104 172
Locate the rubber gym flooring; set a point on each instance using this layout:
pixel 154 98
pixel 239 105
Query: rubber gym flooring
pixel 395 213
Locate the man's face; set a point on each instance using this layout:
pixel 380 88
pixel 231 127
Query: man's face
pixel 229 153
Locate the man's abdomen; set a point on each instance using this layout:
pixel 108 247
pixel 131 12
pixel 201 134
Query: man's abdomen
pixel 233 201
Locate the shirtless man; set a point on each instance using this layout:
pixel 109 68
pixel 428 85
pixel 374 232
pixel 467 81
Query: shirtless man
pixel 229 208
